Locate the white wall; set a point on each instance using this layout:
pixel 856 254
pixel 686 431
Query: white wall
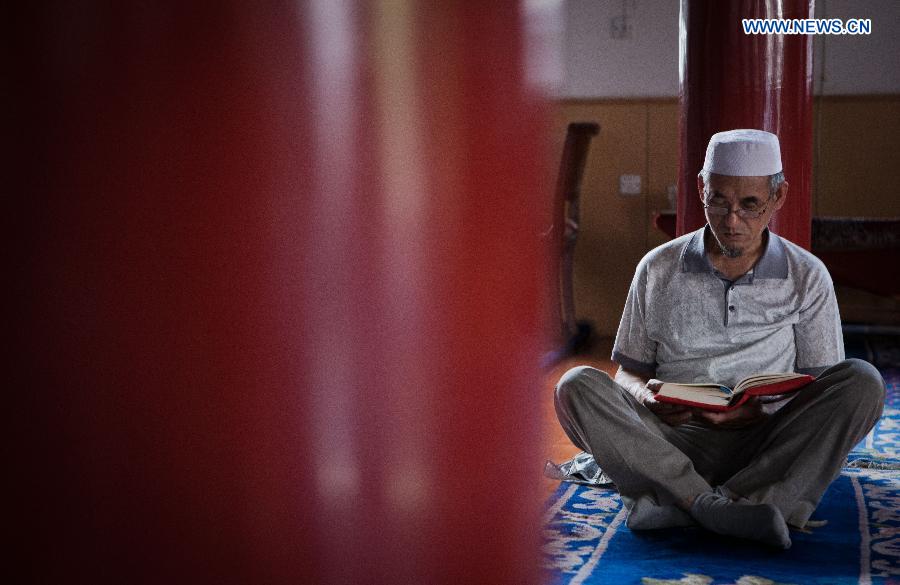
pixel 644 63
pixel 603 58
pixel 861 64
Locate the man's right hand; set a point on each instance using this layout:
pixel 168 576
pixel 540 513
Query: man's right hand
pixel 671 414
pixel 644 391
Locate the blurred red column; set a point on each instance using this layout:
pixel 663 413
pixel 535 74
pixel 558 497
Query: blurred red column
pixel 281 287
pixel 734 80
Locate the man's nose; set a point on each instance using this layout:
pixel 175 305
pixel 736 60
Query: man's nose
pixel 731 218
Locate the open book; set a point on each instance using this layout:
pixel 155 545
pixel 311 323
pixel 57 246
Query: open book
pixel 718 397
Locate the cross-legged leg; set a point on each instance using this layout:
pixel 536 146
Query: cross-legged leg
pixel 651 462
pixel 631 445
pixel 799 451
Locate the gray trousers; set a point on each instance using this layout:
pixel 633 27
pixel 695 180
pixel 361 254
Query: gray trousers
pixel 787 460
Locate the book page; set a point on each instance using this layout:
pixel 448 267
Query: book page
pixel 762 379
pixel 701 393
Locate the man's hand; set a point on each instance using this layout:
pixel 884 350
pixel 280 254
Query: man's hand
pixel 750 412
pixel 644 391
pixel 671 414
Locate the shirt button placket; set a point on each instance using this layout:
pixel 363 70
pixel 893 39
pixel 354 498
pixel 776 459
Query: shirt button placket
pixel 731 308
pixel 729 305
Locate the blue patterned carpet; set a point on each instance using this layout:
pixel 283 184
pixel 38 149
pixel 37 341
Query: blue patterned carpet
pixel 856 538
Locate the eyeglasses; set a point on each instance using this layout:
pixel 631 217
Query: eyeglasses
pixel 742 212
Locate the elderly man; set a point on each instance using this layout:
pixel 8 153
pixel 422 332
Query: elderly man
pixel 727 301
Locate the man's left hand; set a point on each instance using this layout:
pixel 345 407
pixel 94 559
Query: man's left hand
pixel 749 413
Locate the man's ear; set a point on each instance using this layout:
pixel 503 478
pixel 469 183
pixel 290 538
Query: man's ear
pixel 700 189
pixel 781 195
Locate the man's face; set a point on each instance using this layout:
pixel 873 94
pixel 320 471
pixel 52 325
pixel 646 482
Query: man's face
pixel 737 235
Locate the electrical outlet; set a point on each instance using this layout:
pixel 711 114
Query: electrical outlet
pixel 630 185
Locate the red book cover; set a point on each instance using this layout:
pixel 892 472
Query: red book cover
pixel 778 387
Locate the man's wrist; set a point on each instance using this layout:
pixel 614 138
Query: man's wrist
pixel 642 394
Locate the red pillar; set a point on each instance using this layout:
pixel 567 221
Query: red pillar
pixel 733 80
pixel 280 288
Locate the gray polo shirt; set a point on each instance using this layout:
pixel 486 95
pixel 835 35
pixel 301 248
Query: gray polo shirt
pixel 683 322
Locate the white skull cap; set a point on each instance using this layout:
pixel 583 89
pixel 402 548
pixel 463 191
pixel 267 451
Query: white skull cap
pixel 743 153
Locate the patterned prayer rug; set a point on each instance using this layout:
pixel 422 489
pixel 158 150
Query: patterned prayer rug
pixel 854 536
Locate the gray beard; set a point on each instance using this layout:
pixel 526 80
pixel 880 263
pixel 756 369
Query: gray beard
pixel 729 252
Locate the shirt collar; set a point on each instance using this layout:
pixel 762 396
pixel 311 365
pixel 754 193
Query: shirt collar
pixel 772 264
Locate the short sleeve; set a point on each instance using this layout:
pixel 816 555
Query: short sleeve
pixel 633 349
pixel 817 334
